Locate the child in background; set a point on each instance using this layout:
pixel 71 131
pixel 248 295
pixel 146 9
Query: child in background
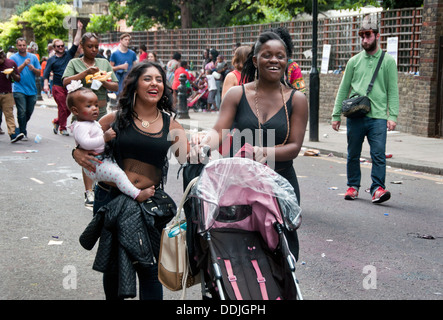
pixel 212 88
pixel 89 135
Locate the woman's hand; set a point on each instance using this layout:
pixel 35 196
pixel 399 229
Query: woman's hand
pixel 92 70
pixel 260 154
pixel 86 158
pixel 199 153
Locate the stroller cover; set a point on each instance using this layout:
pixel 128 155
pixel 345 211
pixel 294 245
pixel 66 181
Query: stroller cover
pixel 240 201
pixel 241 181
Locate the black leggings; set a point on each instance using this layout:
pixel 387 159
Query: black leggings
pixel 149 286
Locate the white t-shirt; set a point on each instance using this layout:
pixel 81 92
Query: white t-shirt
pixel 211 82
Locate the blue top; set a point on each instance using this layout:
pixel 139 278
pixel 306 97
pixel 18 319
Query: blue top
pixel 27 82
pixel 119 58
pixel 58 65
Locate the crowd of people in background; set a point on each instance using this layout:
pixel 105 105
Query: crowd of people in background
pixel 212 76
pixel 207 81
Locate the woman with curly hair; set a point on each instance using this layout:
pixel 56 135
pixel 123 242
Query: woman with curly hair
pixel 145 130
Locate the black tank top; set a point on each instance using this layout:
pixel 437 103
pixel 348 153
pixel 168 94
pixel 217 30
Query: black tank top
pixel 246 125
pixel 136 148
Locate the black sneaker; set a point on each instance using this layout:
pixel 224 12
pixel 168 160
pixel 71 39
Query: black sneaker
pixel 17 137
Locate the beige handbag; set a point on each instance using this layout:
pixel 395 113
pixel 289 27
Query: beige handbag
pixel 173 266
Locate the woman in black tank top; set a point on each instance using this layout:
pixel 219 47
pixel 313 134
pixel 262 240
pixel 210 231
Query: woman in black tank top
pixel 267 109
pixel 145 131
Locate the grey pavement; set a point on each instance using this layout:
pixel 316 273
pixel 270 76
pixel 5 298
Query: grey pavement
pixel 408 151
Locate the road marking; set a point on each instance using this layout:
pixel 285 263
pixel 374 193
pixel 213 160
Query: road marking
pixel 36 180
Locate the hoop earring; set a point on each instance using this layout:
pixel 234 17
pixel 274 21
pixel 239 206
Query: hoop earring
pixel 133 101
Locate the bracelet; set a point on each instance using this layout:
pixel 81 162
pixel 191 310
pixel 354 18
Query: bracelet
pixel 72 153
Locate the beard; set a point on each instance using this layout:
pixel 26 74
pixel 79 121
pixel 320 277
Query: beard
pixel 369 47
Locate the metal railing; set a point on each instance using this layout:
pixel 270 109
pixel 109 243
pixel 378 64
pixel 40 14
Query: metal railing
pixel 340 32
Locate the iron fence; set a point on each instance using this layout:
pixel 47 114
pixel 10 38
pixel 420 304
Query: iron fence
pixel 340 32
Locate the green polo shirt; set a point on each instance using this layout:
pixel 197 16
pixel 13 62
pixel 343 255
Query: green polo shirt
pixel 356 79
pixel 76 66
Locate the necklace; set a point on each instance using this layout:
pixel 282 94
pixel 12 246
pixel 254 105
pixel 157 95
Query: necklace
pixel 146 123
pixel 87 65
pixel 258 114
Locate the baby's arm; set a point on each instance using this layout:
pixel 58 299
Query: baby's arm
pixel 109 135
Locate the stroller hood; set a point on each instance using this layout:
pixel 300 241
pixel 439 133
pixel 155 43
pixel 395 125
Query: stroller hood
pixel 245 182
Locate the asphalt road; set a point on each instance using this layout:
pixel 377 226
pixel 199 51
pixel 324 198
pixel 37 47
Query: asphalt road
pixel 350 250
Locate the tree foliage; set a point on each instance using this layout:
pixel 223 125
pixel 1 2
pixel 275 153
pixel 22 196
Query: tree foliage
pixel 46 20
pixel 143 14
pixel 101 23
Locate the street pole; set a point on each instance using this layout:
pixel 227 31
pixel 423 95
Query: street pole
pixel 182 108
pixel 314 80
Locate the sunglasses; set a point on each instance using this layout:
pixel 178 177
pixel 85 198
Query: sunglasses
pixel 367 34
pixel 60 46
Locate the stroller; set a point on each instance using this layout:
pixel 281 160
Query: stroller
pixel 236 212
pixel 198 99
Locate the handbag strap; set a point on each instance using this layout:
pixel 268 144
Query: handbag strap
pixel 376 72
pixel 183 200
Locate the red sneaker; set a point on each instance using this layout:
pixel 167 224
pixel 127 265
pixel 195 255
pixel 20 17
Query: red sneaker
pixel 351 194
pixel 381 195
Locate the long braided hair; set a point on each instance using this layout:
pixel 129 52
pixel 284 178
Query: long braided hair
pixel 249 71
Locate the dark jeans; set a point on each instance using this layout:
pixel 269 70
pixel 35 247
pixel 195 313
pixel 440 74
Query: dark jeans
pixel 375 130
pixel 150 287
pixel 25 107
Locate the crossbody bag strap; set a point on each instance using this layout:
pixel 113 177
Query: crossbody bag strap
pixel 375 73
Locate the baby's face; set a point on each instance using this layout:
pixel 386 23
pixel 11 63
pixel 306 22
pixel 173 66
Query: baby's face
pixel 87 106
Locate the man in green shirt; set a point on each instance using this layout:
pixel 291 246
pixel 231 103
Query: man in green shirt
pixel 382 117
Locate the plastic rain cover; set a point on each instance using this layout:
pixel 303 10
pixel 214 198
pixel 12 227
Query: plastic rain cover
pixel 241 181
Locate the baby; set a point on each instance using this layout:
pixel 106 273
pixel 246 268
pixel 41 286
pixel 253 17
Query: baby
pixel 88 135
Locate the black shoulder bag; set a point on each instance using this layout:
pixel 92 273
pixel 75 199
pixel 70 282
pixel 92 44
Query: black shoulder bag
pixel 358 106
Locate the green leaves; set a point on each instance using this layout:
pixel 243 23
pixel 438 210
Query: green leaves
pixel 46 20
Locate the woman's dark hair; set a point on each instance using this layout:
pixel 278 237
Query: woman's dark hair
pixel 283 33
pixel 89 35
pixel 177 56
pixel 214 53
pixel 249 69
pixel 125 105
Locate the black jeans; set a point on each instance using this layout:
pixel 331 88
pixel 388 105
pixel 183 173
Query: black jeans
pixel 150 287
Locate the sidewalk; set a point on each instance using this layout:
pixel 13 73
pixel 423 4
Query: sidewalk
pixel 408 151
